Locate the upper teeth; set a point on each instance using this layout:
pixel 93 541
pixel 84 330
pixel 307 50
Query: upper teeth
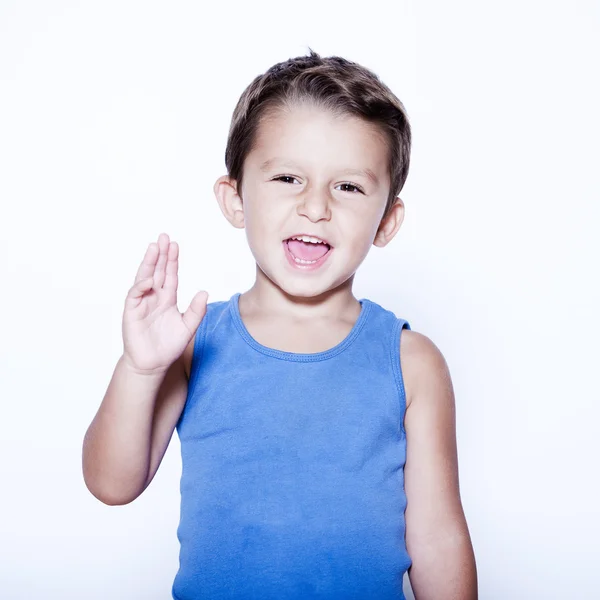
pixel 308 238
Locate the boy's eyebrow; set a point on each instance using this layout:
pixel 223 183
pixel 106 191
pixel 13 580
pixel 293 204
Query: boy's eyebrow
pixel 364 172
pixel 271 161
pixel 368 173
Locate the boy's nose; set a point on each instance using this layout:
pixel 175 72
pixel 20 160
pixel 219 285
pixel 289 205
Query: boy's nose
pixel 315 206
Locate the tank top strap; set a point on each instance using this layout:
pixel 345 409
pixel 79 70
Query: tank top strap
pixel 213 309
pixel 380 341
pixel 396 360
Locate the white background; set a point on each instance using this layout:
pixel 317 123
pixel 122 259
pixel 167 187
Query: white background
pixel 113 123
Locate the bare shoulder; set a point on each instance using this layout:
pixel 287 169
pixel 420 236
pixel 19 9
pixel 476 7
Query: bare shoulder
pixel 423 364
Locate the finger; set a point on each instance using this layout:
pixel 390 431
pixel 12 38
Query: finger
pixel 159 272
pixel 171 278
pixel 137 291
pixel 193 316
pixel 148 264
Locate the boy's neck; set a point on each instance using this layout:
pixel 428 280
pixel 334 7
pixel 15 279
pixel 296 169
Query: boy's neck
pixel 265 297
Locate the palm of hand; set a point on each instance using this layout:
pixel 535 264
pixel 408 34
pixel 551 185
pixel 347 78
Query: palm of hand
pixel 155 333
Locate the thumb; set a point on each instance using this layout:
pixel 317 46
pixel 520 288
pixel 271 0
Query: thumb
pixel 193 316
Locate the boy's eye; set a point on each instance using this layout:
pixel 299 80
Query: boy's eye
pixel 354 189
pixel 282 177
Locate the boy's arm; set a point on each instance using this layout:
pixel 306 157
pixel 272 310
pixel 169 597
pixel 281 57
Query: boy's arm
pixel 127 439
pixel 437 536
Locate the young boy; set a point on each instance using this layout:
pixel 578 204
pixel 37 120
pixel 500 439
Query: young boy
pixel 317 430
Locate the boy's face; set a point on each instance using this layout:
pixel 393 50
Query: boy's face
pixel 311 172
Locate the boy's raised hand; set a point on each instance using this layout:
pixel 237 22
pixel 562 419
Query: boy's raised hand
pixel 155 333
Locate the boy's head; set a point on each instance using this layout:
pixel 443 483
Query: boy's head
pixel 318 146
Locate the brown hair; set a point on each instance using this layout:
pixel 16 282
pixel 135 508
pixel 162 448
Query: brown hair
pixel 334 83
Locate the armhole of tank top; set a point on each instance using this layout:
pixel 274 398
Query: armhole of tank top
pixel 399 326
pixel 199 343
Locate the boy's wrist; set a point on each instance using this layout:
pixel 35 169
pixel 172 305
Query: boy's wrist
pixel 131 369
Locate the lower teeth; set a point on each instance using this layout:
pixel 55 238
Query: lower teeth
pixel 304 262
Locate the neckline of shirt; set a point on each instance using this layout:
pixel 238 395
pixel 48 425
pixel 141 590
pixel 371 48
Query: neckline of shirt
pixel 234 310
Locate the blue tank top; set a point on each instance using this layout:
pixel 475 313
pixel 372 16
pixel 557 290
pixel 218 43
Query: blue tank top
pixel 292 483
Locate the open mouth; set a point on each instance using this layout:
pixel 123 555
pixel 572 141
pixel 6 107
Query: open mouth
pixel 307 252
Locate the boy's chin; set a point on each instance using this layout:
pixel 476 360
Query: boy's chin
pixel 305 289
pixel 301 289
pixel 302 286
pixel 309 289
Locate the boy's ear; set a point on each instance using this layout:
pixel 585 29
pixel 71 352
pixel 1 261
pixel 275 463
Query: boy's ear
pixel 229 200
pixel 390 224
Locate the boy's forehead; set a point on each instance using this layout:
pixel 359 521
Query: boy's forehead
pixel 304 141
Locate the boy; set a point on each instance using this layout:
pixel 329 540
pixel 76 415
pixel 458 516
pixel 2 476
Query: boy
pixel 317 430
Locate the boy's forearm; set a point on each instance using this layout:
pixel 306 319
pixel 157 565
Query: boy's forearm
pixel 445 570
pixel 117 444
